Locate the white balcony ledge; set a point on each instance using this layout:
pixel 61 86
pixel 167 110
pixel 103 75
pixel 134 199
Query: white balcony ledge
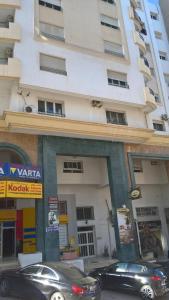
pixel 10 3
pixel 12 69
pixel 138 39
pixel 151 104
pixel 13 32
pixel 144 69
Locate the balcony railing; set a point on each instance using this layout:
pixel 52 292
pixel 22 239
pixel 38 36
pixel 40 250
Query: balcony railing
pixel 150 102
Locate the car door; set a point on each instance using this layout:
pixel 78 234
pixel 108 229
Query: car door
pixel 23 282
pixel 135 275
pixel 113 277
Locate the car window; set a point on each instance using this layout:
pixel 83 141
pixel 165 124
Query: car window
pixel 31 270
pixel 48 273
pixel 136 268
pixel 119 267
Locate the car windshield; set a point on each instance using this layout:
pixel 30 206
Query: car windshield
pixel 68 271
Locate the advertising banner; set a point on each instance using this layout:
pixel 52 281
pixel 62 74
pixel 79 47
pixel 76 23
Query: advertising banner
pixel 17 189
pixel 53 214
pixel 20 171
pixel 125 226
pixel 2 189
pixel 29 230
pixel 7 215
pixel 2 170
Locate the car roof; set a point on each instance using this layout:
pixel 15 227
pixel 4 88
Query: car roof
pixel 143 263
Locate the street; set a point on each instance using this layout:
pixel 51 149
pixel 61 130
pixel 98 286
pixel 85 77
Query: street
pixel 109 295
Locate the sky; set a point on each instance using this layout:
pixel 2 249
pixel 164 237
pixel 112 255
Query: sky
pixel 154 1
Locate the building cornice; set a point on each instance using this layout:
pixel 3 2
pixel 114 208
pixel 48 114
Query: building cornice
pixel 30 123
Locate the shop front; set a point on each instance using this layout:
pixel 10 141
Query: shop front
pixel 20 188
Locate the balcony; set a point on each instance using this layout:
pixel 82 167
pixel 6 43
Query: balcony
pixel 10 3
pixel 144 67
pixel 151 104
pixel 10 67
pixel 139 40
pixel 10 31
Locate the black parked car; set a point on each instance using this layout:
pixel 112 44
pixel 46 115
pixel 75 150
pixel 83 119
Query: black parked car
pixel 49 281
pixel 147 279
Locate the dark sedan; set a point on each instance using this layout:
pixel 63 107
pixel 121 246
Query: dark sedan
pixel 147 279
pixel 49 281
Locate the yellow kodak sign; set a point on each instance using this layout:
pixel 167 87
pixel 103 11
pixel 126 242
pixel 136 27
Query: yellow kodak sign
pixel 2 189
pixel 17 189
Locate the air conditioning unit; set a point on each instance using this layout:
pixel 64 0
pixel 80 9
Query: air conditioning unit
pixel 10 18
pixel 164 117
pixel 30 109
pixel 8 52
pixel 96 103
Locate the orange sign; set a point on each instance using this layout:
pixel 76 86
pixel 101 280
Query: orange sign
pixel 63 219
pixel 17 189
pixel 7 215
pixel 2 189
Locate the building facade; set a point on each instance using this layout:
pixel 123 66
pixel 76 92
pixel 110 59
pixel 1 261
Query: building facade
pixel 84 97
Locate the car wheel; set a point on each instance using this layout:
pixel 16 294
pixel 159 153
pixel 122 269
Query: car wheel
pixel 57 296
pixel 147 292
pixel 4 288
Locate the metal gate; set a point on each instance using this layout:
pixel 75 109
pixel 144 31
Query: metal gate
pixel 86 240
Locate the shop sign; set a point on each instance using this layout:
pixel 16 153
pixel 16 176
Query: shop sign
pixel 20 171
pixel 16 189
pixel 135 193
pixel 53 214
pixel 125 226
pixel 7 215
pixel 63 219
pixel 2 189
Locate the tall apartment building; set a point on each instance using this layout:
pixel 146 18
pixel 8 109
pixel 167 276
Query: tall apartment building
pixel 84 89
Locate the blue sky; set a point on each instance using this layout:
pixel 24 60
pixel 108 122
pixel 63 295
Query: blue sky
pixel 154 1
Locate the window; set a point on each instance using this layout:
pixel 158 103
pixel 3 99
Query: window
pixel 137 165
pixel 113 48
pixel 117 79
pixel 147 211
pixel 30 270
pixel 110 22
pixel 62 207
pixel 114 117
pixel 85 213
pixel 50 108
pixel 73 167
pixel 119 267
pixel 48 273
pixel 139 5
pixel 52 31
pixel 157 98
pixel 166 77
pixel 154 15
pixel 109 1
pixel 158 126
pixel 134 268
pixel 158 35
pixel 163 55
pixel 54 4
pixel 53 64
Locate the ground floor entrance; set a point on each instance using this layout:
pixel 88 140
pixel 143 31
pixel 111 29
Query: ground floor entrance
pixel 7 239
pixel 86 241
